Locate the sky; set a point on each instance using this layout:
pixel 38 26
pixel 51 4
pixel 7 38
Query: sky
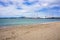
pixel 29 8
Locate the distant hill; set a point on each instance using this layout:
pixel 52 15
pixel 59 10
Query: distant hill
pixel 29 17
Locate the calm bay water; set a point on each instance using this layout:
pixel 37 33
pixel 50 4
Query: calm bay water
pixel 5 22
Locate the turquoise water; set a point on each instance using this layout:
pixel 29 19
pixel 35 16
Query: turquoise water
pixel 5 22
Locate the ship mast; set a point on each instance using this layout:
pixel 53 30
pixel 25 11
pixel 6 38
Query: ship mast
pixel 35 15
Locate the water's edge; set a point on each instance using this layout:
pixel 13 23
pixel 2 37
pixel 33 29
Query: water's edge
pixel 13 22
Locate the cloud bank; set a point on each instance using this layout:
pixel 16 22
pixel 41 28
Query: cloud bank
pixel 29 8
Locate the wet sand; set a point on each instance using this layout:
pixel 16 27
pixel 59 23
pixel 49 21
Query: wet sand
pixel 49 31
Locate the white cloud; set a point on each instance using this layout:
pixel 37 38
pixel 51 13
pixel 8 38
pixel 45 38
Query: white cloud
pixel 12 10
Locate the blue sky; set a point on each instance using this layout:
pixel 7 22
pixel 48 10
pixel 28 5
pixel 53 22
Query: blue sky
pixel 29 8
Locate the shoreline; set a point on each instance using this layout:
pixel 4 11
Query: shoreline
pixel 49 31
pixel 5 26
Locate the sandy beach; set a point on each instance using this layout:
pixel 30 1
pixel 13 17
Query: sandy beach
pixel 49 31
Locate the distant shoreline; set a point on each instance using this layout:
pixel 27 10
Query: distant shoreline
pixel 29 18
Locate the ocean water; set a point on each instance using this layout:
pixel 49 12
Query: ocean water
pixel 8 22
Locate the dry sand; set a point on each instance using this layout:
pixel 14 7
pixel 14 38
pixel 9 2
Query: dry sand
pixel 50 31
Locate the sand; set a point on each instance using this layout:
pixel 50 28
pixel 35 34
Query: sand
pixel 49 31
